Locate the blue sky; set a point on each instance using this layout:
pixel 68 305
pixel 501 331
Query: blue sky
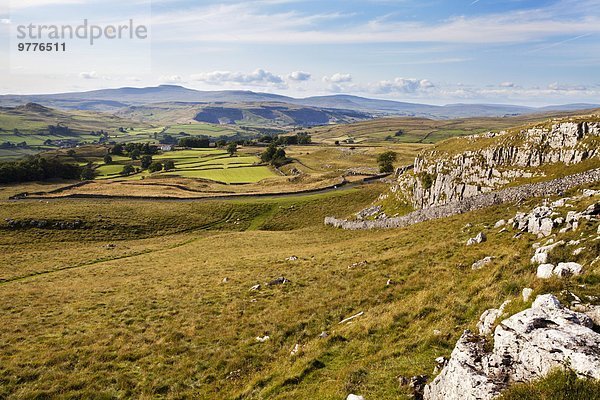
pixel 432 51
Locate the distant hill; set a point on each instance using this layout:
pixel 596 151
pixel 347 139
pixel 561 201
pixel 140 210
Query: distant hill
pixel 120 98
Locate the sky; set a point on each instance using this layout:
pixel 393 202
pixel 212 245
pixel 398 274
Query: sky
pixel 537 52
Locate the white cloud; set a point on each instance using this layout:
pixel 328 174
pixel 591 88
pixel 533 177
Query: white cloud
pixel 41 3
pixel 507 84
pixel 560 87
pixel 171 79
pixel 5 21
pixel 259 77
pixel 89 75
pixel 402 85
pixel 338 78
pixel 299 76
pixel 252 22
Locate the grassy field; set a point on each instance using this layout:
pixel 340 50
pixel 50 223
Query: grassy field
pixel 419 130
pixel 203 129
pixel 138 306
pixel 30 124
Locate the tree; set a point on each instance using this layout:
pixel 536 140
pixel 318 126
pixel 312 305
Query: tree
pixel 386 162
pixel 88 173
pixel 145 161
pixel 169 165
pixel 127 170
pixel 70 152
pixel 194 142
pixel 117 149
pixel 108 159
pixel 232 148
pixel 135 154
pixel 268 154
pixel 155 167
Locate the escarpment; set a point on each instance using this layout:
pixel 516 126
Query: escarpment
pixel 471 166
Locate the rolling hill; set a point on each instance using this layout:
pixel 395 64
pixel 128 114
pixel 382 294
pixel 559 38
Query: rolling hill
pixel 117 99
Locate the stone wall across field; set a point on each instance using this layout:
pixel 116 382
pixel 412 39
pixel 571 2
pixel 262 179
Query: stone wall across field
pixel 508 195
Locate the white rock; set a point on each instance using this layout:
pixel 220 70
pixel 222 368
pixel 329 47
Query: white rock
pixel 489 317
pixel 565 269
pixel 546 226
pixel 500 223
pixel 526 347
pixel 295 350
pixel 482 263
pixel 262 339
pixel 594 314
pixel 578 251
pixel 480 238
pixel 541 253
pixel 526 293
pixel 354 397
pixel 544 271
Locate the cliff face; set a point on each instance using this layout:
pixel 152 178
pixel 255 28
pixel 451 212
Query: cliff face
pixel 490 161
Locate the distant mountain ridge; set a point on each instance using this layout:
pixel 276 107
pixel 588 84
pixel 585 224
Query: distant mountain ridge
pixel 116 99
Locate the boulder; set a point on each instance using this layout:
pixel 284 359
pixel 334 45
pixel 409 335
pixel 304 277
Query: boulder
pixel 526 346
pixel 480 238
pixel 463 378
pixel 541 253
pixel 544 271
pixel 500 224
pixel 567 269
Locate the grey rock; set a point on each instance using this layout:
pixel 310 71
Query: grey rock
pixel 480 238
pixel 482 263
pixel 545 271
pixel 526 346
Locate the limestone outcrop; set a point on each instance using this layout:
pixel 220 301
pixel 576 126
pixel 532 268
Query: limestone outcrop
pixel 493 161
pixel 526 346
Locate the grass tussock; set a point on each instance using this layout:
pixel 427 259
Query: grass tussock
pixel 557 385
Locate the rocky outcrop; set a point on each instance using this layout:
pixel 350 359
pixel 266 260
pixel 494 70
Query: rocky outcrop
pixel 526 346
pixel 495 160
pixel 509 195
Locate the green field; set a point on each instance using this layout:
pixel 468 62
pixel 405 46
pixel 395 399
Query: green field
pixel 210 164
pixel 203 129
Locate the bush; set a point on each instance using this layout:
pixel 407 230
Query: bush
pixel 557 385
pixel 108 159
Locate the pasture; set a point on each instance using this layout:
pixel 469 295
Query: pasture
pixel 154 300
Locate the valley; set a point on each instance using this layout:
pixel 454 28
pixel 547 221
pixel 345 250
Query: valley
pixel 253 261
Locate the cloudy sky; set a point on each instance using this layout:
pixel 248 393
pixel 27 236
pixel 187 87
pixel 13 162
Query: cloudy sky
pixel 496 51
